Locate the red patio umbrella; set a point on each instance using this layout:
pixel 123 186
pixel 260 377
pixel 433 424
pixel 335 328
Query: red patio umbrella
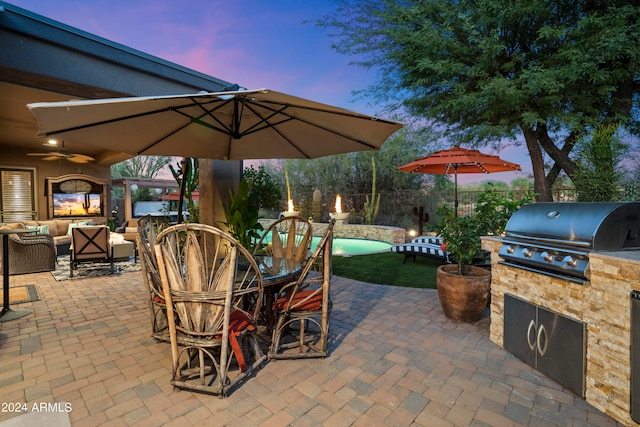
pixel 458 160
pixel 176 195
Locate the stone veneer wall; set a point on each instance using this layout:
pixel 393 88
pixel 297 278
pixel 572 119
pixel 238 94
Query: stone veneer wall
pixel 393 235
pixel 603 304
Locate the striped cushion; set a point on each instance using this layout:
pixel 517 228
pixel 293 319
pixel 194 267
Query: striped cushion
pixel 429 249
pixel 436 240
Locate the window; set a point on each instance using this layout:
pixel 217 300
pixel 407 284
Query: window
pixel 17 195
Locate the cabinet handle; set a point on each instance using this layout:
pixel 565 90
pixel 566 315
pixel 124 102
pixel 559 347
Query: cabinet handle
pixel 542 349
pixel 530 338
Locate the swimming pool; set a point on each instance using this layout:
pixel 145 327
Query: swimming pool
pixel 343 246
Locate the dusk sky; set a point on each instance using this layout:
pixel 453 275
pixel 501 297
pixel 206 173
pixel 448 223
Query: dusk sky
pixel 255 43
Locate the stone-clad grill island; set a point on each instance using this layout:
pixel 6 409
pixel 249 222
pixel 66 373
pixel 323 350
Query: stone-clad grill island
pixel 563 281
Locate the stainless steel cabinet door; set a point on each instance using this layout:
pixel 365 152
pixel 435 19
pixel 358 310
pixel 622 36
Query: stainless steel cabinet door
pixel 520 329
pixel 560 345
pixel 550 342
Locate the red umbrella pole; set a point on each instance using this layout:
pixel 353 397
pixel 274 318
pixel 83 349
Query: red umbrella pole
pixel 455 190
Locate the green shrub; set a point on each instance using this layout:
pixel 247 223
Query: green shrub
pixel 263 192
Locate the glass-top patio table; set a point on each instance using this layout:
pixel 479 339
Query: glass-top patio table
pixel 276 272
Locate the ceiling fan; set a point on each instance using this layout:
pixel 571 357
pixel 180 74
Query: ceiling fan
pixel 63 154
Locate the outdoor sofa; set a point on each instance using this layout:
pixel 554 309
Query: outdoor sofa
pixel 37 251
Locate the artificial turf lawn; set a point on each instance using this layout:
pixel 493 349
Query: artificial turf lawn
pixel 387 269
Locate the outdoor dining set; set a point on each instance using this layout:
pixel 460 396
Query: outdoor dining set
pixel 226 310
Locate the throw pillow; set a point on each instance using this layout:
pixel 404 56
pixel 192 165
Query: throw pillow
pixel 39 229
pixel 72 225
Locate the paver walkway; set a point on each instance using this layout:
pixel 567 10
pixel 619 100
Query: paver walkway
pixel 395 360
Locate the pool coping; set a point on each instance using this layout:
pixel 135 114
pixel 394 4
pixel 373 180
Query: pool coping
pixel 383 233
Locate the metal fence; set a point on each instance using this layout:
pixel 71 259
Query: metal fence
pixel 397 208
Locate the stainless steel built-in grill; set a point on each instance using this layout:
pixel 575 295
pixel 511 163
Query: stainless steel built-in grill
pixel 556 238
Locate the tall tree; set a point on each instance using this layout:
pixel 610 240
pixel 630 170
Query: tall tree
pixel 491 69
pixel 140 167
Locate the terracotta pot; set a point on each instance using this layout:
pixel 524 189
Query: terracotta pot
pixel 463 298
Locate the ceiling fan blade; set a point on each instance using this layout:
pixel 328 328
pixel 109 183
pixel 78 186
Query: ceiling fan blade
pixel 63 154
pixel 51 153
pixel 80 158
pixel 55 157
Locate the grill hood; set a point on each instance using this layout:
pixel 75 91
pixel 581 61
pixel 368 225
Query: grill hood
pixel 556 238
pixel 584 226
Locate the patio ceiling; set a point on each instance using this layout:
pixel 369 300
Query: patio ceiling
pixel 43 60
pixel 20 126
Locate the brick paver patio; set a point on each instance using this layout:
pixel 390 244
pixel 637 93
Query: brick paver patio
pixel 395 360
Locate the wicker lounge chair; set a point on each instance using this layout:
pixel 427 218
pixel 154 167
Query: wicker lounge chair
pixel 31 253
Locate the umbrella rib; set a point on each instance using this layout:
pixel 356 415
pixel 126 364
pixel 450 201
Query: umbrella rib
pixel 193 119
pixel 128 117
pixel 273 125
pixel 267 107
pixel 104 122
pixel 178 110
pixel 264 120
pixel 224 128
pixel 482 167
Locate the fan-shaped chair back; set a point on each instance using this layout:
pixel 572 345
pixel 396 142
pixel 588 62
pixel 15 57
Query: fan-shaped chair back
pixel 288 237
pixel 148 229
pixel 307 303
pixel 206 275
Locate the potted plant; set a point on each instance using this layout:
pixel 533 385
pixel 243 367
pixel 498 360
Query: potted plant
pixel 463 288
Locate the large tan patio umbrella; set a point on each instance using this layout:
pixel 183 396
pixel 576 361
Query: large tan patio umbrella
pixel 234 125
pixel 458 160
pixel 239 125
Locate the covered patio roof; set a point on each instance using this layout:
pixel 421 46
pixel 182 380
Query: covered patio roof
pixel 44 60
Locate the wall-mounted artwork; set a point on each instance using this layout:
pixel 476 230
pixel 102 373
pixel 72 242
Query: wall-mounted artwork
pixel 76 205
pixel 76 195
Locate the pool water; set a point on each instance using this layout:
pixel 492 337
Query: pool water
pixel 344 246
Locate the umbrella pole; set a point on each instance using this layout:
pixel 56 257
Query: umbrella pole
pixel 455 191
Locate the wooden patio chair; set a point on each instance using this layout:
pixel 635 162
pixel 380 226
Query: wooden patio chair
pixel 288 237
pixel 90 244
pixel 205 275
pixel 148 228
pixel 304 307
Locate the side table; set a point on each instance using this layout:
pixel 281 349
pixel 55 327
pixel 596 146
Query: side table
pixel 7 313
